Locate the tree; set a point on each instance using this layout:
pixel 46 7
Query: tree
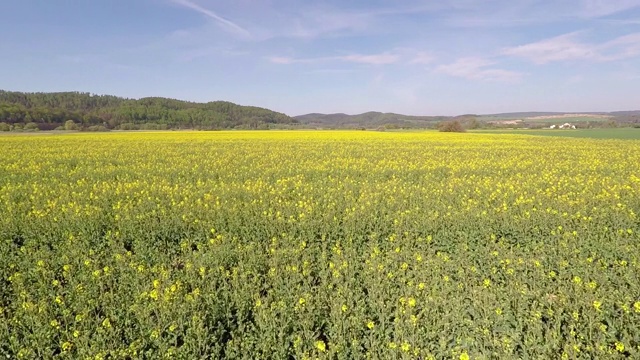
pixel 473 123
pixel 451 126
pixel 611 124
pixel 4 126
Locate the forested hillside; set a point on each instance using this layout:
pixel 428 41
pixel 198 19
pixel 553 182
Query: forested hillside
pixel 48 111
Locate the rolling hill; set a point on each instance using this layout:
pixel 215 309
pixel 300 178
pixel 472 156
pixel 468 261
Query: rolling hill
pixel 373 120
pixel 47 111
pixel 369 120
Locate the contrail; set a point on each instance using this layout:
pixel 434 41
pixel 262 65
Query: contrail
pixel 227 24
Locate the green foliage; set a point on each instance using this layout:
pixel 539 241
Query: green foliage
pixel 70 125
pixel 451 126
pixel 611 124
pixel 87 109
pixel 31 126
pixel 4 126
pixel 472 123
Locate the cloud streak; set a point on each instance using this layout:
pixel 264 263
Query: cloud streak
pixel 599 8
pixel 559 48
pixel 568 47
pixel 398 55
pixel 375 59
pixel 227 25
pixel 476 68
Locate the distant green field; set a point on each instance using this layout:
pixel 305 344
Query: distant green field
pixel 568 119
pixel 545 120
pixel 624 133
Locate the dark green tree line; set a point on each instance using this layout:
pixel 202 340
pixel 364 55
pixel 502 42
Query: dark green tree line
pixel 51 110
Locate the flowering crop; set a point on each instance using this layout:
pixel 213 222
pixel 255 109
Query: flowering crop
pixel 340 245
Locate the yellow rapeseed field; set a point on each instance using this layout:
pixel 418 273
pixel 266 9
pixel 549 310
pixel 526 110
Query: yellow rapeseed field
pixel 302 245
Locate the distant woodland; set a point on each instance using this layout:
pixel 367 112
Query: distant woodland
pixel 49 111
pixel 88 112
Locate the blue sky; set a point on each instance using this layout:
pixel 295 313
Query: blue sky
pixel 424 57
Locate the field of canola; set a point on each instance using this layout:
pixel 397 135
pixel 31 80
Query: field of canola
pixel 330 245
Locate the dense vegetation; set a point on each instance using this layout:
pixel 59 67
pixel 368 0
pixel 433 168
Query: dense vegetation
pixel 451 126
pixel 336 245
pixel 47 111
pixel 370 120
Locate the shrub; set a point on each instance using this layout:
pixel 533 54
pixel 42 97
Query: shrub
pixel 31 126
pixel 4 126
pixel 451 126
pixel 611 124
pixel 70 125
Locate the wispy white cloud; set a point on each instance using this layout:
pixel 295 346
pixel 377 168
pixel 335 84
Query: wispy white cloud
pixel 227 25
pixel 476 68
pixel 331 71
pixel 559 48
pixel 508 13
pixel 377 59
pixel 322 20
pixel 568 47
pixel 298 20
pixel 623 47
pixel 285 60
pixel 189 55
pixel 404 55
pixel 599 8
pixel 374 59
pixel 271 21
pixel 283 19
pixel 621 21
pixel 317 22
